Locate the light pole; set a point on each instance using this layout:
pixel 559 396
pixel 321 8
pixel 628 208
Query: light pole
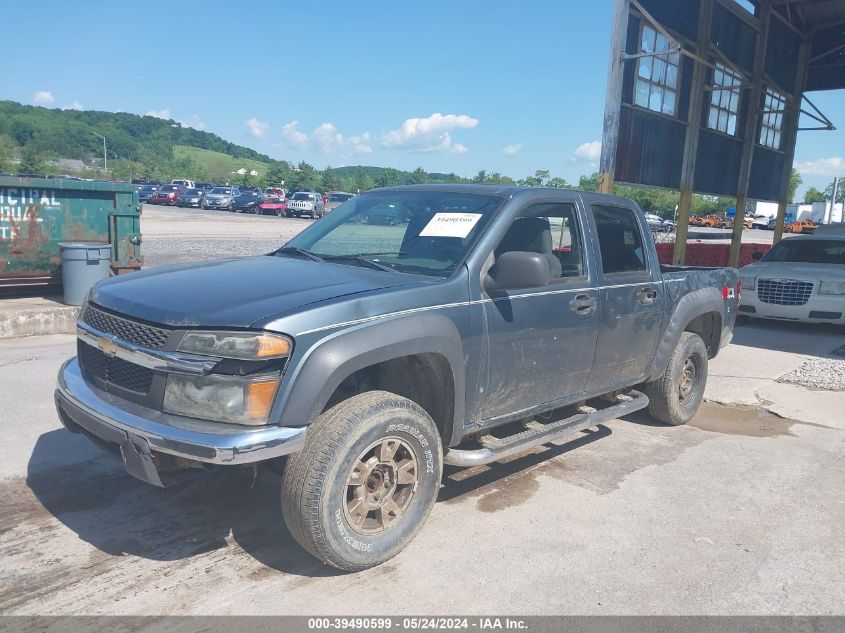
pixel 105 156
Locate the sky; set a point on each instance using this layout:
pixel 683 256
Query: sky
pixel 446 86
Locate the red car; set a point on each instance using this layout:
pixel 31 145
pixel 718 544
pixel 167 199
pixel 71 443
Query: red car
pixel 167 195
pixel 273 206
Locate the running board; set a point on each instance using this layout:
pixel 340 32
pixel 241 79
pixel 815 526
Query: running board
pixel 495 449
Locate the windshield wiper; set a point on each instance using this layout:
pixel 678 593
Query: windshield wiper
pixel 362 261
pixel 295 250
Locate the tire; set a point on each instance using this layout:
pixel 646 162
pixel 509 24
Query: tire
pixel 670 400
pixel 318 500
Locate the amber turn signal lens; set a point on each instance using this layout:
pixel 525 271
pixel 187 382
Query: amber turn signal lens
pixel 272 346
pixel 259 397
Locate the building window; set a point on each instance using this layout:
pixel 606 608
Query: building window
pixel 656 87
pixel 772 124
pixel 724 100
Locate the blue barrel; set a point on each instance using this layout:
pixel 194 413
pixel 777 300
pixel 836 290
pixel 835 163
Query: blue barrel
pixel 83 265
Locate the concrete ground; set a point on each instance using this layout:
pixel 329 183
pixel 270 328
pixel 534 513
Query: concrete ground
pixel 740 512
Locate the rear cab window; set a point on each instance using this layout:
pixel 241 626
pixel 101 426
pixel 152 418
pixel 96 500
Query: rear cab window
pixel 621 244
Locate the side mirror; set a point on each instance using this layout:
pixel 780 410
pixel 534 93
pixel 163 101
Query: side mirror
pixel 518 269
pixel 756 256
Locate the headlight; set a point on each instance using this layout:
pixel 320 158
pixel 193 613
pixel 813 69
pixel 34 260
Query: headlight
pixel 832 288
pixel 240 345
pixel 748 283
pixel 222 398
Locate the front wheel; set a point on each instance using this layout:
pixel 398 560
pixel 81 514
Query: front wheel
pixel 365 482
pixel 675 397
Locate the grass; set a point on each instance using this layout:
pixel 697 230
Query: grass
pixel 216 163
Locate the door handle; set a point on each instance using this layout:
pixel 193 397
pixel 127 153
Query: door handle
pixel 582 304
pixel 647 295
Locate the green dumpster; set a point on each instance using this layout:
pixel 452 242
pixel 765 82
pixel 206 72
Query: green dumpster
pixel 38 213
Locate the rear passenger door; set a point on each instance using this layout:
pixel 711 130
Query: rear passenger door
pixel 631 298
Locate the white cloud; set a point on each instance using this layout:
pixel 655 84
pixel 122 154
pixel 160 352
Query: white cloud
pixel 257 129
pixel 822 167
pixel 73 106
pixel 511 150
pixel 195 122
pixel 43 96
pixel 328 139
pixel 587 153
pixel 159 114
pixel 293 137
pixel 431 134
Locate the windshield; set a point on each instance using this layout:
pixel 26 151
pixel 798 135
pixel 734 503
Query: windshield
pixel 192 192
pixel 303 196
pixel 340 197
pixel 276 201
pixel 221 191
pixel 427 232
pixel 807 251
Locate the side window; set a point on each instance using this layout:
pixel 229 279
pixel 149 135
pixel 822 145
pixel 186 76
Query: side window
pixel 552 230
pixel 620 240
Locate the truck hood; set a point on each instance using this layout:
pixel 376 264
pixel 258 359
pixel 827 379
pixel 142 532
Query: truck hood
pixel 235 292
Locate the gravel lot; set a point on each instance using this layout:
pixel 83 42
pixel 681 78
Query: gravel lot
pixel 172 235
pixel 819 373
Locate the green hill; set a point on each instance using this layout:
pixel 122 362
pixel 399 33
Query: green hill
pixel 137 145
pixel 211 162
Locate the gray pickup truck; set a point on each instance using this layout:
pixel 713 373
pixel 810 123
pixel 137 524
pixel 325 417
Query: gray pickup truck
pixel 358 359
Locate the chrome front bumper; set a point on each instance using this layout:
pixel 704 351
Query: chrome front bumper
pixel 137 429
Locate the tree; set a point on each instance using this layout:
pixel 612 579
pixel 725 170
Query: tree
pixel 7 152
pixel 537 180
pixel 387 177
pixel 589 183
pixel 32 161
pixel 331 181
pixel 480 178
pixel 306 177
pixel 279 173
pixel 840 191
pixel 419 176
pixel 363 182
pixel 452 177
pixel 814 195
pixel 558 183
pixel 795 181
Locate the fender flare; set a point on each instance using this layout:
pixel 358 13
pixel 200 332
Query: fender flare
pixel 330 361
pixel 690 307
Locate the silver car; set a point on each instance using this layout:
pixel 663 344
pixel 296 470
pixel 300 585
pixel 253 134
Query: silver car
pixel 336 199
pixel 221 198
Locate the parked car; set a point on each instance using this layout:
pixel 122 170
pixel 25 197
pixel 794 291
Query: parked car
pixel 384 214
pixel 306 203
pixel 800 226
pixel 337 198
pixel 801 278
pixel 205 186
pixel 248 201
pixel 145 192
pixel 221 198
pixel 274 192
pixel 167 195
pixel 190 198
pixel 759 222
pixel 273 206
pixel 188 184
pixel 658 224
pixel 368 371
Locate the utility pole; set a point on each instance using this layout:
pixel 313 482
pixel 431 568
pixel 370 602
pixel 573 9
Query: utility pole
pixel 105 156
pixel 613 99
pixel 833 203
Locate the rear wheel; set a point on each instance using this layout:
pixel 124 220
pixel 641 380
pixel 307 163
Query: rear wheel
pixel 365 482
pixel 675 397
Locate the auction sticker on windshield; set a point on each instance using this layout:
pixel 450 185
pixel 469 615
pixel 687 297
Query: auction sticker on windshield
pixel 450 225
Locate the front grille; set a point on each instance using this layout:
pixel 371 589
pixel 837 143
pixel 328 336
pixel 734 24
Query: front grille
pixel 132 331
pixel 115 371
pixel 785 292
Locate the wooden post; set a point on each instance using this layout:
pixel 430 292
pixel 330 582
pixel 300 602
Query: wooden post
pixel 750 131
pixel 613 99
pixel 790 136
pixel 696 103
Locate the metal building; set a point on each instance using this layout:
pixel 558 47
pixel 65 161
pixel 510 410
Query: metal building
pixel 705 96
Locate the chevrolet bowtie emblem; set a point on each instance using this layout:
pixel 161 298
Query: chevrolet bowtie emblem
pixel 107 346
